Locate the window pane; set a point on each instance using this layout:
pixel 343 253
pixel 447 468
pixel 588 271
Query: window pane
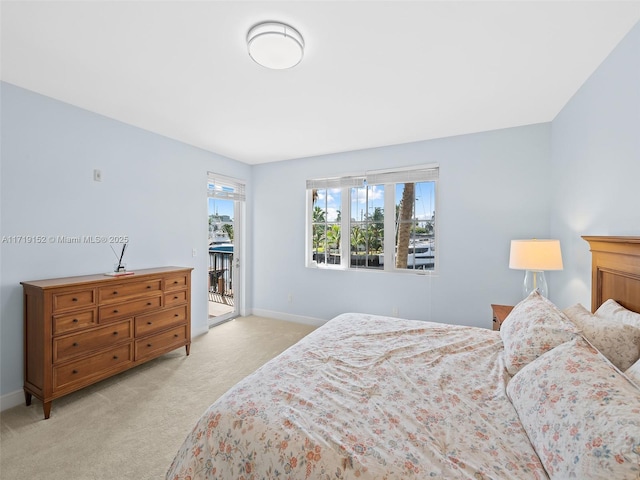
pixel 326 226
pixel 415 225
pixel 367 227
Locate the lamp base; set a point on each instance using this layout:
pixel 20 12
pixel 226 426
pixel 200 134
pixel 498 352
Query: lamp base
pixel 534 280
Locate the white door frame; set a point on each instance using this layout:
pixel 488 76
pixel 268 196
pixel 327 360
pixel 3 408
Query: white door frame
pixel 239 246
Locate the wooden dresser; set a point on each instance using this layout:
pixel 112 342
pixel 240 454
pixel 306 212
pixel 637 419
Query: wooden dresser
pixel 80 330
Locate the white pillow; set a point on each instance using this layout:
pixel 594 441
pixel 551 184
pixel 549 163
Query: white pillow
pixel 533 327
pixel 614 311
pixel 580 413
pixel 619 342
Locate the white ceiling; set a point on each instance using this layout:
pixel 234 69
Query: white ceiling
pixel 374 73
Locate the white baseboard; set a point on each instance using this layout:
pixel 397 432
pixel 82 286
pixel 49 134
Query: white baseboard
pixel 287 317
pixel 12 399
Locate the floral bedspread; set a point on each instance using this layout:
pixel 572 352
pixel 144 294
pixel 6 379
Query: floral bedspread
pixel 367 397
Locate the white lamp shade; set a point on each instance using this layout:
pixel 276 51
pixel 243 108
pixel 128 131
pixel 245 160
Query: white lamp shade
pixel 275 45
pixel 535 254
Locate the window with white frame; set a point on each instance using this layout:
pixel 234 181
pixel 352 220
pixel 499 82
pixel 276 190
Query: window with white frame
pixel 383 220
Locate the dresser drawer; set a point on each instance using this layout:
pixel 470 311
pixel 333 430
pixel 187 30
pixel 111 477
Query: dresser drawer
pixel 79 299
pixel 146 324
pixel 91 367
pixel 118 292
pixel 175 282
pixel 175 298
pixel 75 321
pixel 117 310
pixel 165 341
pixel 71 346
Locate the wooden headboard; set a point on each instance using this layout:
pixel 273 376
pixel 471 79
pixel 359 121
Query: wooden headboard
pixel 615 271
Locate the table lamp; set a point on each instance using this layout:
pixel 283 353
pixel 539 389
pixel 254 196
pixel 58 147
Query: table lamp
pixel 535 256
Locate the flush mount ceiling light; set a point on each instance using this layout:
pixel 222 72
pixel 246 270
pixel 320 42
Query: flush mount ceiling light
pixel 275 45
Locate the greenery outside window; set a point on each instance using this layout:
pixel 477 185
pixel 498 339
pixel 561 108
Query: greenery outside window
pixel 404 240
pixel 367 226
pixel 326 226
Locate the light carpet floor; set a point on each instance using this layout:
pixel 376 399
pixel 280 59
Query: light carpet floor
pixel 130 426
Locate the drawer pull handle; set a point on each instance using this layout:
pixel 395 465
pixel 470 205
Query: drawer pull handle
pixel 115 333
pixel 115 311
pixel 176 315
pixel 115 357
pixel 75 320
pixel 75 344
pixel 149 304
pixel 175 298
pixel 175 282
pixel 148 287
pixel 115 292
pixel 149 323
pixel 74 299
pixel 148 344
pixel 74 371
pixel 175 335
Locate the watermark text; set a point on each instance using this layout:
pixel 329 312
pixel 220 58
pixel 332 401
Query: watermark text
pixel 62 239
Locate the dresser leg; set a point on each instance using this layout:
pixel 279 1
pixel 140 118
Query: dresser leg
pixel 46 406
pixel 27 398
pixel 187 348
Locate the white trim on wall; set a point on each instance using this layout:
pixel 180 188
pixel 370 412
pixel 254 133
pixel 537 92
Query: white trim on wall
pixel 287 317
pixel 12 399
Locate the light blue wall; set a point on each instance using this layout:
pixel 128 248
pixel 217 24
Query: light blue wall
pixel 575 176
pixel 595 173
pixel 493 187
pixel 153 190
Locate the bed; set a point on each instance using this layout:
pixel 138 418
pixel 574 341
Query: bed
pixel 554 394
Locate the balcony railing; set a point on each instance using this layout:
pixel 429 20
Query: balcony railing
pixel 221 271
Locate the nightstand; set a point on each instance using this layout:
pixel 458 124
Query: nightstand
pixel 500 312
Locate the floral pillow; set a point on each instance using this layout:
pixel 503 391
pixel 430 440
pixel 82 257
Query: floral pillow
pixel 580 413
pixel 533 327
pixel 619 342
pixel 614 311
